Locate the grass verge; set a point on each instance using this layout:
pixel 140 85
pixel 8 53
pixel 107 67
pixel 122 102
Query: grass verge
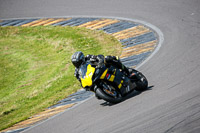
pixel 35 67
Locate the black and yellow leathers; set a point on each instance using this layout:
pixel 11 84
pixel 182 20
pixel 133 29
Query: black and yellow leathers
pixel 116 62
pixel 118 80
pixel 110 68
pixel 108 61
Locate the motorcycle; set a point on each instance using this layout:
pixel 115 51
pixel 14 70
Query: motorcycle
pixel 102 82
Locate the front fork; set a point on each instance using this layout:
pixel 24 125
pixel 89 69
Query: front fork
pixel 108 89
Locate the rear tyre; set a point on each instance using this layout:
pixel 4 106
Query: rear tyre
pixel 141 81
pixel 101 94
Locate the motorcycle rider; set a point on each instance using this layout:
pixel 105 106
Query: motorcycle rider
pixel 78 59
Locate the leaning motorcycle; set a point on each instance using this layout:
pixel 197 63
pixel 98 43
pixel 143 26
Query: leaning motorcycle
pixel 110 83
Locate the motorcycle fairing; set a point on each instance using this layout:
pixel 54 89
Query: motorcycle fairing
pixel 114 76
pixel 104 74
pixel 87 71
pixel 108 76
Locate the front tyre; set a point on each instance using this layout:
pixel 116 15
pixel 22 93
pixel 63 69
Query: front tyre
pixel 101 94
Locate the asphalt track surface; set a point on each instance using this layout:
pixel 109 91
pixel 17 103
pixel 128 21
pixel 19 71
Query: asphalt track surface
pixel 173 102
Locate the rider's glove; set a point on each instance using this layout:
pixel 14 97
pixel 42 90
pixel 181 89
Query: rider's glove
pixel 87 57
pixel 93 58
pixel 76 74
pixel 100 59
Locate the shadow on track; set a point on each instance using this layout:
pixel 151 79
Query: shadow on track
pixel 132 94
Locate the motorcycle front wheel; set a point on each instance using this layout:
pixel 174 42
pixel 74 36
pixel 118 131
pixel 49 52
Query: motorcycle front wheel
pixel 103 95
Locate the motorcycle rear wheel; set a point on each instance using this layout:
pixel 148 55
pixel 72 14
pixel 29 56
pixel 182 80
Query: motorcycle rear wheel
pixel 142 82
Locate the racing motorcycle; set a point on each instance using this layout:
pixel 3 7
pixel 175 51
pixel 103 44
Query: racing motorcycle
pixel 111 86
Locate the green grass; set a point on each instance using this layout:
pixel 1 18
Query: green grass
pixel 35 66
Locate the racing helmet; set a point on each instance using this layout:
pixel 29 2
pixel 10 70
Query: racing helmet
pixel 77 59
